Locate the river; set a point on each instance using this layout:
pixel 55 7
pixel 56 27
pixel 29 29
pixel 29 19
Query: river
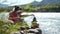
pixel 49 23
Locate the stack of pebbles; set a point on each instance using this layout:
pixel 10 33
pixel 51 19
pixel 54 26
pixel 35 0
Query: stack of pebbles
pixel 34 27
pixel 33 30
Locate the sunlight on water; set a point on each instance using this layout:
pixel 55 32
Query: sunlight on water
pixel 49 22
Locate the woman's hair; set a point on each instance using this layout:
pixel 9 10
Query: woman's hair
pixel 17 8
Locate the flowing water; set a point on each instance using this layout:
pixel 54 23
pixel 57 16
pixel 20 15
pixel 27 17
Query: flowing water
pixel 49 23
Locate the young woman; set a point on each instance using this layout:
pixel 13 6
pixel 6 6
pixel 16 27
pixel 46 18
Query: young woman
pixel 13 15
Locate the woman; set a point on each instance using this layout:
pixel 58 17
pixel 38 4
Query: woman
pixel 13 15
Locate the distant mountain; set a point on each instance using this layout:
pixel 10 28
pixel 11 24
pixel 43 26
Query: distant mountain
pixel 44 2
pixel 3 5
pixel 49 2
pixel 35 3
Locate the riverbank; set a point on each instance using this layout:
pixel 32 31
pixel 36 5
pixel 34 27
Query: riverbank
pixel 49 23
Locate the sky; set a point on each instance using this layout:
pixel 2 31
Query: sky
pixel 17 2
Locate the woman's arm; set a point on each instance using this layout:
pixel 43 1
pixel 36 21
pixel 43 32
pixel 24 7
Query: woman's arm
pixel 25 15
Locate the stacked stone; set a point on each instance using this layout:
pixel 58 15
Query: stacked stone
pixel 33 30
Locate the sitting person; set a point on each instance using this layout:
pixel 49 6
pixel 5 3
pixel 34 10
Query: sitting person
pixel 14 16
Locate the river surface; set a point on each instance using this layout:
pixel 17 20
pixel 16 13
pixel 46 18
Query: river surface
pixel 49 23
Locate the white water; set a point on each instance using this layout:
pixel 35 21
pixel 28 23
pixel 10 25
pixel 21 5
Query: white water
pixel 49 22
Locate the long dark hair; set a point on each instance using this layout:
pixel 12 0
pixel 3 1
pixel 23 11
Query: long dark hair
pixel 17 8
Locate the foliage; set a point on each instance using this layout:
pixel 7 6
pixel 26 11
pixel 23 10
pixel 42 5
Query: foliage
pixel 5 9
pixel 32 8
pixel 37 8
pixel 6 28
pixel 2 9
pixel 29 7
pixel 51 6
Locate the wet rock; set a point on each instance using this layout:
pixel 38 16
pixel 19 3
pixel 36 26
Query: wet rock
pixel 35 31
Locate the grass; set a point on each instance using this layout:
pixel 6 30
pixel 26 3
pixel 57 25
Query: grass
pixel 6 28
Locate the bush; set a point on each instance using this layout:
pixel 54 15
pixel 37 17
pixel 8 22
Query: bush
pixel 6 28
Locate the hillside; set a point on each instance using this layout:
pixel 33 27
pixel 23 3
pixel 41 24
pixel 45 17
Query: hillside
pixel 43 6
